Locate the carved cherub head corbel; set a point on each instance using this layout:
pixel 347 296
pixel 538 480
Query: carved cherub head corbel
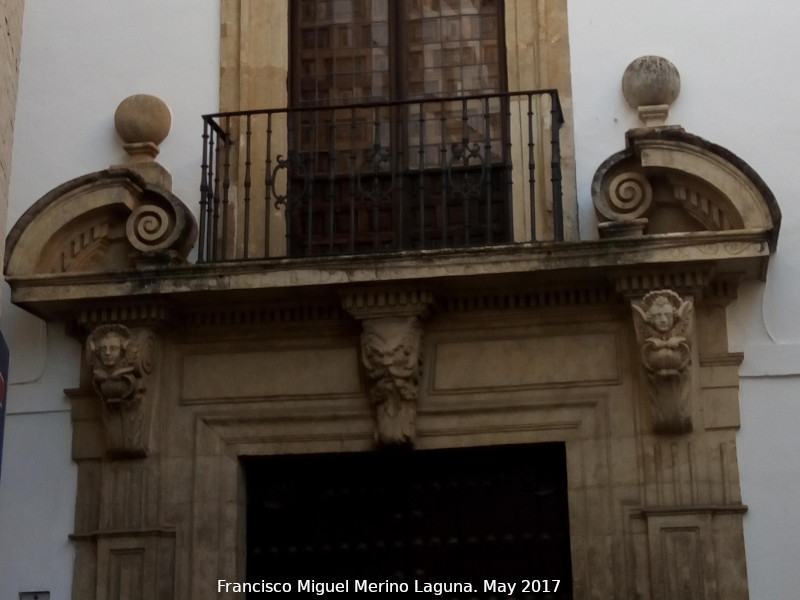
pixel 121 361
pixel 663 314
pixel 108 348
pixel 663 323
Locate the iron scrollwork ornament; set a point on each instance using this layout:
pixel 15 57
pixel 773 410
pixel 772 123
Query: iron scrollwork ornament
pixel 298 171
pixel 465 154
pixel 371 169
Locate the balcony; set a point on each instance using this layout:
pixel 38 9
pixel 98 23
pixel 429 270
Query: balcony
pixel 456 172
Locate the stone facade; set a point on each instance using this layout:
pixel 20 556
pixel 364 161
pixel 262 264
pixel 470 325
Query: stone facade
pixel 615 347
pixel 10 40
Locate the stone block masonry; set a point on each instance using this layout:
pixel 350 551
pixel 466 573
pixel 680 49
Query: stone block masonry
pixel 10 43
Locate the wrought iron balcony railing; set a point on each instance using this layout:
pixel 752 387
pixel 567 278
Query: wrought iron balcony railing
pixel 381 177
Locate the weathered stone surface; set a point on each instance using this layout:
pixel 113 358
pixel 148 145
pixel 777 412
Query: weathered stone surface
pixel 650 84
pixel 682 183
pixel 664 325
pixel 10 39
pixel 112 220
pixel 142 119
pixel 122 362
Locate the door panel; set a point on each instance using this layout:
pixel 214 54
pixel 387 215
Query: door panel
pixel 457 515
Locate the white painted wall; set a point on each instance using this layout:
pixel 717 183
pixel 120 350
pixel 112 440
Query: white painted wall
pixel 38 480
pixel 81 58
pixel 740 90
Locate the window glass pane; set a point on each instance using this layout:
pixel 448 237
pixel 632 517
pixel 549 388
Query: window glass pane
pixel 348 41
pixel 447 35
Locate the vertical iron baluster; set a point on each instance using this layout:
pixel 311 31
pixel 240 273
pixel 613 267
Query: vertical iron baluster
pixel 465 141
pixel 268 185
pixel 289 205
pixel 203 194
pixel 376 181
pixel 397 168
pixel 444 168
pixel 353 190
pixel 313 170
pixel 486 168
pixel 555 115
pixel 226 184
pixel 508 169
pixel 217 193
pixel 531 168
pixel 332 183
pixel 421 167
pixel 210 249
pixel 247 183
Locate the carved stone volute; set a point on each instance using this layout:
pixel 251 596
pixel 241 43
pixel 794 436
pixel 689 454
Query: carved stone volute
pixel 122 218
pixel 669 181
pixel 121 361
pixel 664 323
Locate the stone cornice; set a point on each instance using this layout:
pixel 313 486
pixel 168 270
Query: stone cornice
pixel 744 253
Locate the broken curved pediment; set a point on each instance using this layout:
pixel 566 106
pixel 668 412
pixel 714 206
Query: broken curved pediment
pixel 670 181
pixel 106 221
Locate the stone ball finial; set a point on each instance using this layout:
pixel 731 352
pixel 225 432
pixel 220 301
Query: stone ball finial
pixel 143 122
pixel 650 84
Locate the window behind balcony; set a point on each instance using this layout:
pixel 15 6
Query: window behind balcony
pixel 397 166
pixel 379 50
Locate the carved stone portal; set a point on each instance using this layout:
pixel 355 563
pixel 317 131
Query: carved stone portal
pixel 121 362
pixel 663 322
pixel 391 354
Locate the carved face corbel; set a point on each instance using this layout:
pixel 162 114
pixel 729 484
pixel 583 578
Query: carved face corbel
pixel 664 322
pixel 391 355
pixel 121 362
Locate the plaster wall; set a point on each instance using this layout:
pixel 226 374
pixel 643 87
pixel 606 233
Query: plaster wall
pixel 79 59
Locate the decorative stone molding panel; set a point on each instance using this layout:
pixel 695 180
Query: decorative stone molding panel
pixel 106 221
pixel 121 362
pixel 664 322
pixel 670 181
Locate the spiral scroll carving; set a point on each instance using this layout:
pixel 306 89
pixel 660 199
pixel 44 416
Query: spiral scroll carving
pixel 629 196
pixel 150 228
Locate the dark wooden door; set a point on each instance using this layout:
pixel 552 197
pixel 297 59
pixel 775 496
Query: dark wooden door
pixel 445 516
